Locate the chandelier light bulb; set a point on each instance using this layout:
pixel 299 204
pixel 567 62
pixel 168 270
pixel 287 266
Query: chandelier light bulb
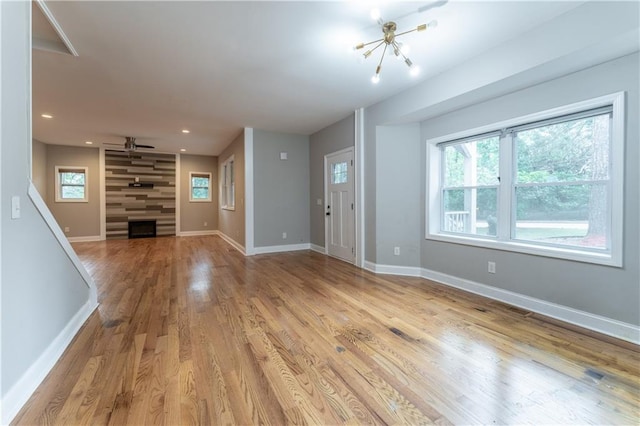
pixel 389 42
pixel 414 70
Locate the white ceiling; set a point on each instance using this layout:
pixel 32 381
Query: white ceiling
pixel 150 69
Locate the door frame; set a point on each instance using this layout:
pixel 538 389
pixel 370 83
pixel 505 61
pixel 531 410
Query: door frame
pixel 356 246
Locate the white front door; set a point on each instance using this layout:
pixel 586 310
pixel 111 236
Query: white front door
pixel 339 208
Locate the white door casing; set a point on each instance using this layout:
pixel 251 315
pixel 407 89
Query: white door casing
pixel 339 205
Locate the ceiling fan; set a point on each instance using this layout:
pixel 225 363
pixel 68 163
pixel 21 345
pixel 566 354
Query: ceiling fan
pixel 130 144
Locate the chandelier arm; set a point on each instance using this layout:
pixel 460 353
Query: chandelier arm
pixel 406 32
pixel 361 45
pixel 403 56
pixel 374 49
pixel 382 57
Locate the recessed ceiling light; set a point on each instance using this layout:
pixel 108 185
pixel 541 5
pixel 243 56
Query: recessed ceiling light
pixel 182 150
pixel 185 131
pixel 46 116
pixel 88 142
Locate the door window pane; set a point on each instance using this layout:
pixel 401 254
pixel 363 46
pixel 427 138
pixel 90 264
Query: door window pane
pixel 339 173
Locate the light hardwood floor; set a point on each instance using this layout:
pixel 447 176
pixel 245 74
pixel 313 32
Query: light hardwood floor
pixel 191 332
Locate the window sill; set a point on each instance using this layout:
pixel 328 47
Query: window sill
pixel 199 201
pixel 533 249
pixel 71 201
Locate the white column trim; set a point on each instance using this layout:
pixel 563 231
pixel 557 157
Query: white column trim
pixel 102 177
pixel 360 183
pixel 178 199
pixel 249 248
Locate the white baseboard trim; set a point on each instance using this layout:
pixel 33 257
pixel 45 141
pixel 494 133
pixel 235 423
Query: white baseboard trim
pixel 281 249
pixel 198 233
pixel 407 271
pixel 22 390
pixel 610 327
pixel 318 248
pixel 85 239
pixel 232 242
pixel 600 324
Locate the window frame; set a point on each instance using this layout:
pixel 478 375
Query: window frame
pixel 58 188
pixel 506 199
pixel 227 182
pixel 191 187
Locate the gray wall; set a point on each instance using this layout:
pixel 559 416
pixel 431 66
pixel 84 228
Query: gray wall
pixel 38 298
pixel 590 34
pixel 83 219
pixel 194 215
pixel 39 167
pixel 281 188
pixel 607 291
pixel 338 136
pixel 398 194
pixel 232 222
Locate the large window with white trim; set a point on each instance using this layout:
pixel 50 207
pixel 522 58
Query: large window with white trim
pixel 548 184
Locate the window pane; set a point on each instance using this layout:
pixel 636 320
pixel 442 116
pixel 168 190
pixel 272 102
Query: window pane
pixel 339 173
pixel 201 182
pixel 574 215
pixel 73 192
pixel 470 211
pixel 472 163
pixel 72 178
pixel 565 152
pixel 200 193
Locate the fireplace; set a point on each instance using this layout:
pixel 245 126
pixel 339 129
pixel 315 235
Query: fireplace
pixel 142 228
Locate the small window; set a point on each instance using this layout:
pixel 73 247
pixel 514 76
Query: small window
pixel 339 173
pixel 200 187
pixel 71 184
pixel 228 185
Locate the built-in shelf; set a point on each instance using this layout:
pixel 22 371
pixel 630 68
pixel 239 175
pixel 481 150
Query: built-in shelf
pixel 140 185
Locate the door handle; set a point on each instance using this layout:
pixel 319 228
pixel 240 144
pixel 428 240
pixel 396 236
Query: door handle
pixel 328 213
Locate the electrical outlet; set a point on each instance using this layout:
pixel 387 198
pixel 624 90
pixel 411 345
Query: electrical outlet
pixel 396 251
pixel 491 267
pixel 205 224
pixel 284 235
pixel 319 201
pixel 66 229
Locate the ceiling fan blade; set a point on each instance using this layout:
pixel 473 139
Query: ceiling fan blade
pixel 144 146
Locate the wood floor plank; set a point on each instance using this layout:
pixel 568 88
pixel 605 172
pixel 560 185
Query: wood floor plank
pixel 191 332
